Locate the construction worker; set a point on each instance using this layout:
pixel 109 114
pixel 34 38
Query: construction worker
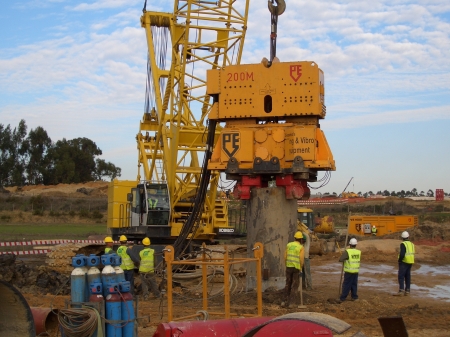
pixel 351 258
pixel 294 257
pixel 405 262
pixel 374 230
pixel 109 245
pixel 128 260
pixel 147 270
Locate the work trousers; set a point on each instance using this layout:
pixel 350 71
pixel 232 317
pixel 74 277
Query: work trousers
pixel 292 282
pixel 350 284
pixel 404 276
pixel 148 281
pixel 129 276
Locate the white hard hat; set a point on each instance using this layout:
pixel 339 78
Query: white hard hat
pixel 373 226
pixel 353 242
pixel 405 235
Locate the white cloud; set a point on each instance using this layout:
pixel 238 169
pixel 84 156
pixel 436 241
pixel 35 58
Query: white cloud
pixel 106 4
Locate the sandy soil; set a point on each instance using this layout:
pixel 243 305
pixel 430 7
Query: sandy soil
pixel 94 189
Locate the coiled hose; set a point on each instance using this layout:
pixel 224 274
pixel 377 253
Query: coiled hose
pixel 78 322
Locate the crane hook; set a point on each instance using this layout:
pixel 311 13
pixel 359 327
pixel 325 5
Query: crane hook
pixel 277 10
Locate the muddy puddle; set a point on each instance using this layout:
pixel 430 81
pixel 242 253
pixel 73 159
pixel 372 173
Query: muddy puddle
pixel 427 281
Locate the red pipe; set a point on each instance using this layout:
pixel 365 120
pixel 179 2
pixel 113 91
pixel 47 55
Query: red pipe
pixel 239 327
pixel 45 320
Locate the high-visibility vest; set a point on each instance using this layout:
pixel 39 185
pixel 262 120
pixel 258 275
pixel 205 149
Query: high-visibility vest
pixel 374 231
pixel 147 260
pixel 152 203
pixel 108 250
pixel 293 250
pixel 410 250
pixel 127 263
pixel 354 259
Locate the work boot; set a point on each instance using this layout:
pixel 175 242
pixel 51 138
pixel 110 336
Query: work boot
pixel 407 293
pixel 400 293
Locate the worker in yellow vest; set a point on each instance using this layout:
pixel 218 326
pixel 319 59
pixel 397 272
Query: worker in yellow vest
pixel 405 262
pixel 351 258
pixel 147 270
pixel 109 245
pixel 374 231
pixel 294 257
pixel 128 261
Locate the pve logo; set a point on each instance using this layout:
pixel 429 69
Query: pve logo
pixel 231 143
pixel 296 71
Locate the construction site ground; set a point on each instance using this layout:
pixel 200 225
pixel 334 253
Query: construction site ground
pixel 426 312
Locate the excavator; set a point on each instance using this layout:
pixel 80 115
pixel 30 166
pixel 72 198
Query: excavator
pixel 206 115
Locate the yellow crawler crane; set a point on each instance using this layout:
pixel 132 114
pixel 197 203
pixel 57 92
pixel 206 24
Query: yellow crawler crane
pixel 174 196
pixel 272 131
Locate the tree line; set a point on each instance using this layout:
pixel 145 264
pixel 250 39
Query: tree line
pixel 33 158
pixel 401 194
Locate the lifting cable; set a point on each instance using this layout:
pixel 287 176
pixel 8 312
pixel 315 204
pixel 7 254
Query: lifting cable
pixel 275 11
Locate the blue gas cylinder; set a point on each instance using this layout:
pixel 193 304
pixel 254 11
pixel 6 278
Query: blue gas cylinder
pixel 128 314
pixel 78 281
pixel 108 275
pixel 113 312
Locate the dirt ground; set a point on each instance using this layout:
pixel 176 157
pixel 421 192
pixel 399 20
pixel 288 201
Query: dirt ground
pixel 426 312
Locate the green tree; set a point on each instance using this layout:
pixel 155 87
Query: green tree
pixel 13 154
pixel 106 169
pixel 38 162
pixel 386 193
pixel 5 153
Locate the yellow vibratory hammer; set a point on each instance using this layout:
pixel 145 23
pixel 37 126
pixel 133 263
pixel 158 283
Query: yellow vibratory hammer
pixel 271 112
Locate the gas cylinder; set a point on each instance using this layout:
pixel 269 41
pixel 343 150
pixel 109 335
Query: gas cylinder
pixel 93 273
pixel 108 273
pixel 78 281
pixel 128 315
pixel 96 291
pixel 119 271
pixel 113 312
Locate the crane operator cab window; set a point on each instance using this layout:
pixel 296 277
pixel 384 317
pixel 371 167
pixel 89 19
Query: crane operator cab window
pixel 158 206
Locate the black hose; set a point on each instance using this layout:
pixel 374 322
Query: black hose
pixel 192 223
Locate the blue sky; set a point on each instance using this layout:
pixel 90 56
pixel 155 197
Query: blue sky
pixel 78 70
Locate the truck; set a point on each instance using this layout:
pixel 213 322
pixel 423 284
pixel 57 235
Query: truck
pixel 385 224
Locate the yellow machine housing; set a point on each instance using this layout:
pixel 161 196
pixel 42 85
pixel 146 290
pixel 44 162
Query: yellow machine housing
pixel 362 225
pixel 314 223
pixel 271 117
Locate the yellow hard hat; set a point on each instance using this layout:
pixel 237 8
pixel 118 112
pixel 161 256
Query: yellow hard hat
pixel 146 242
pixel 108 239
pixel 123 238
pixel 298 235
